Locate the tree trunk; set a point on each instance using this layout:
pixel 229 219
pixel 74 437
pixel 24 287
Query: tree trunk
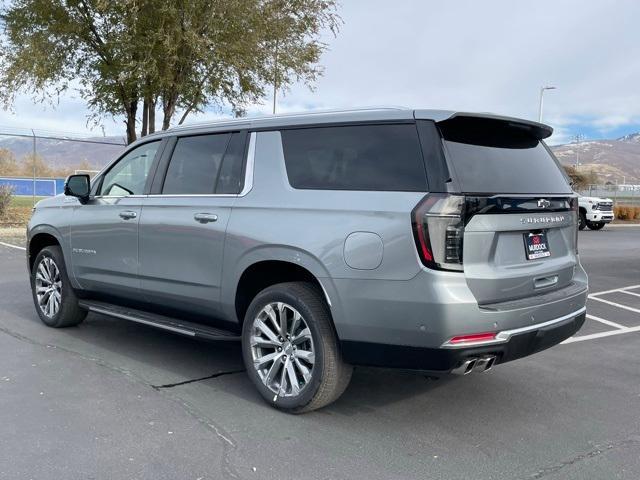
pixel 168 110
pixel 132 108
pixel 145 117
pixel 152 114
pixel 184 115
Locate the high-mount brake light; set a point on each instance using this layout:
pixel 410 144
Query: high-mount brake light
pixel 438 228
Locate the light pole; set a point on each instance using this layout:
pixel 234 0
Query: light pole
pixel 542 89
pixel 578 137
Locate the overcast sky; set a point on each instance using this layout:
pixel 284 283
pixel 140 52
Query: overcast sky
pixel 473 55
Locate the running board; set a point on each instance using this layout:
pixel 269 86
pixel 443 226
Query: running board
pixel 175 325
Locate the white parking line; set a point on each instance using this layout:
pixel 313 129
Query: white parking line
pixel 631 287
pixel 630 293
pixel 602 334
pixel 619 305
pixel 619 329
pixel 606 322
pixel 12 246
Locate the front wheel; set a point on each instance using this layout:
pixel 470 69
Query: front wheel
pixel 291 350
pixel 53 296
pixel 595 226
pixel 582 220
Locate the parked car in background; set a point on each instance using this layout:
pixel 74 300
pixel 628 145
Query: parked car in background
pixel 595 212
pixel 417 239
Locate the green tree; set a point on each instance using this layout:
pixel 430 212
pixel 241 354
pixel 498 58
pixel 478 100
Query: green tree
pixel 179 56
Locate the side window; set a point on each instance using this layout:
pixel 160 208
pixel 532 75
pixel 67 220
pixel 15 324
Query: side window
pixel 230 178
pixel 195 164
pixel 129 175
pixel 358 157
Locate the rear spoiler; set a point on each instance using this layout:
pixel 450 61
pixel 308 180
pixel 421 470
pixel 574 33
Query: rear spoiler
pixel 537 130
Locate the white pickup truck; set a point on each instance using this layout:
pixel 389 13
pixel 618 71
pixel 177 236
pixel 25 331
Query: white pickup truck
pixel 595 212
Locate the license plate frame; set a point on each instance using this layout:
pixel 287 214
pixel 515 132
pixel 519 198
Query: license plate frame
pixel 536 245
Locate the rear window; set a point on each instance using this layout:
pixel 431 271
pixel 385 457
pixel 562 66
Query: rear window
pixel 195 164
pixel 495 156
pixel 359 157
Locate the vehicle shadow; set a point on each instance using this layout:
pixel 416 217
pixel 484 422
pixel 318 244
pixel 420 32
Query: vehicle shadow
pixel 160 358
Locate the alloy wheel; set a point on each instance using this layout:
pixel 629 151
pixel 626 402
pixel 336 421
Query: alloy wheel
pixel 48 285
pixel 282 349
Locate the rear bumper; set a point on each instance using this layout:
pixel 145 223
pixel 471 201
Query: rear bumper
pixel 431 308
pixel 510 345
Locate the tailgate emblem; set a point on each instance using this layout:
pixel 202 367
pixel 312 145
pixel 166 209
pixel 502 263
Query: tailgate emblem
pixel 543 203
pixel 554 219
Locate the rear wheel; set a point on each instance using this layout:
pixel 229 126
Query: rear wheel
pixel 53 296
pixel 582 220
pixel 291 350
pixel 595 226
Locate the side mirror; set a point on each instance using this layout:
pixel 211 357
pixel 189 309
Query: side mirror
pixel 78 186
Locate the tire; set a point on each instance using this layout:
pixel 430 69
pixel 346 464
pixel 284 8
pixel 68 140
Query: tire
pixel 50 263
pixel 582 220
pixel 327 376
pixel 595 226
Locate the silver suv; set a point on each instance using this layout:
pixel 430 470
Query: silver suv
pixel 417 239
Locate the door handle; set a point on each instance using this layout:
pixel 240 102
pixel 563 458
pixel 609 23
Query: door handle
pixel 128 215
pixel 205 217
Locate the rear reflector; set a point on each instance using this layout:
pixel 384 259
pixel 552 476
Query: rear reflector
pixel 472 339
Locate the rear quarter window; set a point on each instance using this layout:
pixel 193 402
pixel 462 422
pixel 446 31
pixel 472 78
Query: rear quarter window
pixel 355 157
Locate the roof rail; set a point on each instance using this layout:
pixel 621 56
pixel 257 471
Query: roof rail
pixel 284 115
pixel 209 122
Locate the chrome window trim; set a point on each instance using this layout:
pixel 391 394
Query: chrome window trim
pixel 248 174
pixel 191 195
pixel 505 335
pixel 119 196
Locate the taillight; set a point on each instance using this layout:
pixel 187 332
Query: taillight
pixel 438 228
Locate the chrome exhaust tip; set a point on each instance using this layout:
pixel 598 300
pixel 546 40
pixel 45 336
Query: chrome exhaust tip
pixel 466 367
pixel 484 364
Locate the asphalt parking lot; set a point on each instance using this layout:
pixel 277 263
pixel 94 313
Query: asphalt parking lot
pixel 111 399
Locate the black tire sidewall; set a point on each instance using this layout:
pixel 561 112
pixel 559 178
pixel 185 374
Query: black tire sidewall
pixel 582 222
pixel 67 295
pixel 281 294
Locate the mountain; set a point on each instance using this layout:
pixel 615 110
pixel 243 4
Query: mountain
pixel 60 153
pixel 631 138
pixel 615 161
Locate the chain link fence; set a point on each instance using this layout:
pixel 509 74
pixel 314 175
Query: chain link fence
pixel 35 162
pixel 628 194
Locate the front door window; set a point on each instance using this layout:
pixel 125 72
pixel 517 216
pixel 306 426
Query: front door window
pixel 129 175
